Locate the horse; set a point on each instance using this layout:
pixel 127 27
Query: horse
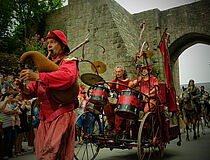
pixel 190 114
pixel 204 104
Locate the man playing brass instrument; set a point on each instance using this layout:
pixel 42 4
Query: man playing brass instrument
pixel 56 132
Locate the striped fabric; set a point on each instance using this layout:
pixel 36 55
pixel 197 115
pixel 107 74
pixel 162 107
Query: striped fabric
pixel 7 120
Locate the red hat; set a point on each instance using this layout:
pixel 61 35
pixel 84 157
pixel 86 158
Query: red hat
pixel 59 36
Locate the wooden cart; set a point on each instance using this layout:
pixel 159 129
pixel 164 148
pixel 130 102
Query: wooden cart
pixel 149 132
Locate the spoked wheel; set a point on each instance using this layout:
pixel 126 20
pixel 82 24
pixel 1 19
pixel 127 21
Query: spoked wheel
pixel 149 137
pixel 85 147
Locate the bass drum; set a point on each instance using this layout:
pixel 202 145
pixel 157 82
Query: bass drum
pixel 99 95
pixel 129 104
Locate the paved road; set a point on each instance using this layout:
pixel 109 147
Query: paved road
pixel 192 150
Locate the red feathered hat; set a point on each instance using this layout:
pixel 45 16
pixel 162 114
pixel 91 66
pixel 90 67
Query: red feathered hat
pixel 59 36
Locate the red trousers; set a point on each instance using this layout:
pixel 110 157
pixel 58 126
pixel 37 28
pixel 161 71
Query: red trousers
pixel 112 118
pixel 56 139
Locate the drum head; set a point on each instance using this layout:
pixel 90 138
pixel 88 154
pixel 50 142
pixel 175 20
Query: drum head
pixel 127 112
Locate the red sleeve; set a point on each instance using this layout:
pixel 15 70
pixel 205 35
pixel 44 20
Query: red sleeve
pixel 154 81
pixel 63 78
pixel 33 94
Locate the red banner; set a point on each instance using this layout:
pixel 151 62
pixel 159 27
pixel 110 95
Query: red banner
pixel 164 51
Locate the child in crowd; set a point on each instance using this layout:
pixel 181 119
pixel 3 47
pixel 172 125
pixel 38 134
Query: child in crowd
pixel 35 108
pixel 82 90
pixel 82 101
pixel 15 117
pixel 8 86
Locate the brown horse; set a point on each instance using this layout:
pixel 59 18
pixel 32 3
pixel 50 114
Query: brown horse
pixel 190 114
pixel 203 115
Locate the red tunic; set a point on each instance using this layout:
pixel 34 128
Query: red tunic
pixel 118 87
pixel 144 88
pixel 56 132
pixel 144 85
pixel 61 79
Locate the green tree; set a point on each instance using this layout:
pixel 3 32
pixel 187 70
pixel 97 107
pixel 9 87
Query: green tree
pixel 6 14
pixel 21 19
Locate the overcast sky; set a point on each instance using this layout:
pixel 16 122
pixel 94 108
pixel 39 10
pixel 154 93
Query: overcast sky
pixel 136 6
pixel 194 62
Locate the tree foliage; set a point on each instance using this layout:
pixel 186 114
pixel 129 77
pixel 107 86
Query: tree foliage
pixel 21 19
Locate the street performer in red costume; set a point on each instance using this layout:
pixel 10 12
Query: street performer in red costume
pixel 56 132
pixel 116 123
pixel 149 90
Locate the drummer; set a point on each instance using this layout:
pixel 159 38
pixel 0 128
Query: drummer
pixel 143 84
pixel 116 123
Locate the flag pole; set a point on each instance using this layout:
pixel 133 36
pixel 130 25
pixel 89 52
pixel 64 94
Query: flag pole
pixel 161 40
pixel 174 93
pixel 163 46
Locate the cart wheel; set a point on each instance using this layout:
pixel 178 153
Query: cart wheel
pixel 149 137
pixel 85 147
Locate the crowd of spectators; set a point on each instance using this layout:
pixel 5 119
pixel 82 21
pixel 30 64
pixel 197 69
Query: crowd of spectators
pixel 19 120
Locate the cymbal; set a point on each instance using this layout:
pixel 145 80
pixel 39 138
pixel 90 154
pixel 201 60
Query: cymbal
pixel 100 67
pixel 146 54
pixel 90 78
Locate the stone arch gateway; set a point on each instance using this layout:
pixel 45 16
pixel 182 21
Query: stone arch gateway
pixel 186 41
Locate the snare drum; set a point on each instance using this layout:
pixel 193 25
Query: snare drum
pixel 93 108
pixel 99 95
pixel 129 104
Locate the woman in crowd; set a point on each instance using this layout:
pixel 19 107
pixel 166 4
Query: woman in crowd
pixel 9 134
pixel 23 125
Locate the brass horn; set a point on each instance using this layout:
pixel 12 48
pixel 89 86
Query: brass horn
pixel 43 64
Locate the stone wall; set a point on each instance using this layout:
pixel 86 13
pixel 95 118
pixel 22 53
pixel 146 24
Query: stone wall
pixel 117 31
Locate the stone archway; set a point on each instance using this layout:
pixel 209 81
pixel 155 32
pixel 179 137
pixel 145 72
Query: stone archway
pixel 179 46
pixel 184 42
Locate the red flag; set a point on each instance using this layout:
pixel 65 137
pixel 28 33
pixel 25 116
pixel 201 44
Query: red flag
pixel 169 81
